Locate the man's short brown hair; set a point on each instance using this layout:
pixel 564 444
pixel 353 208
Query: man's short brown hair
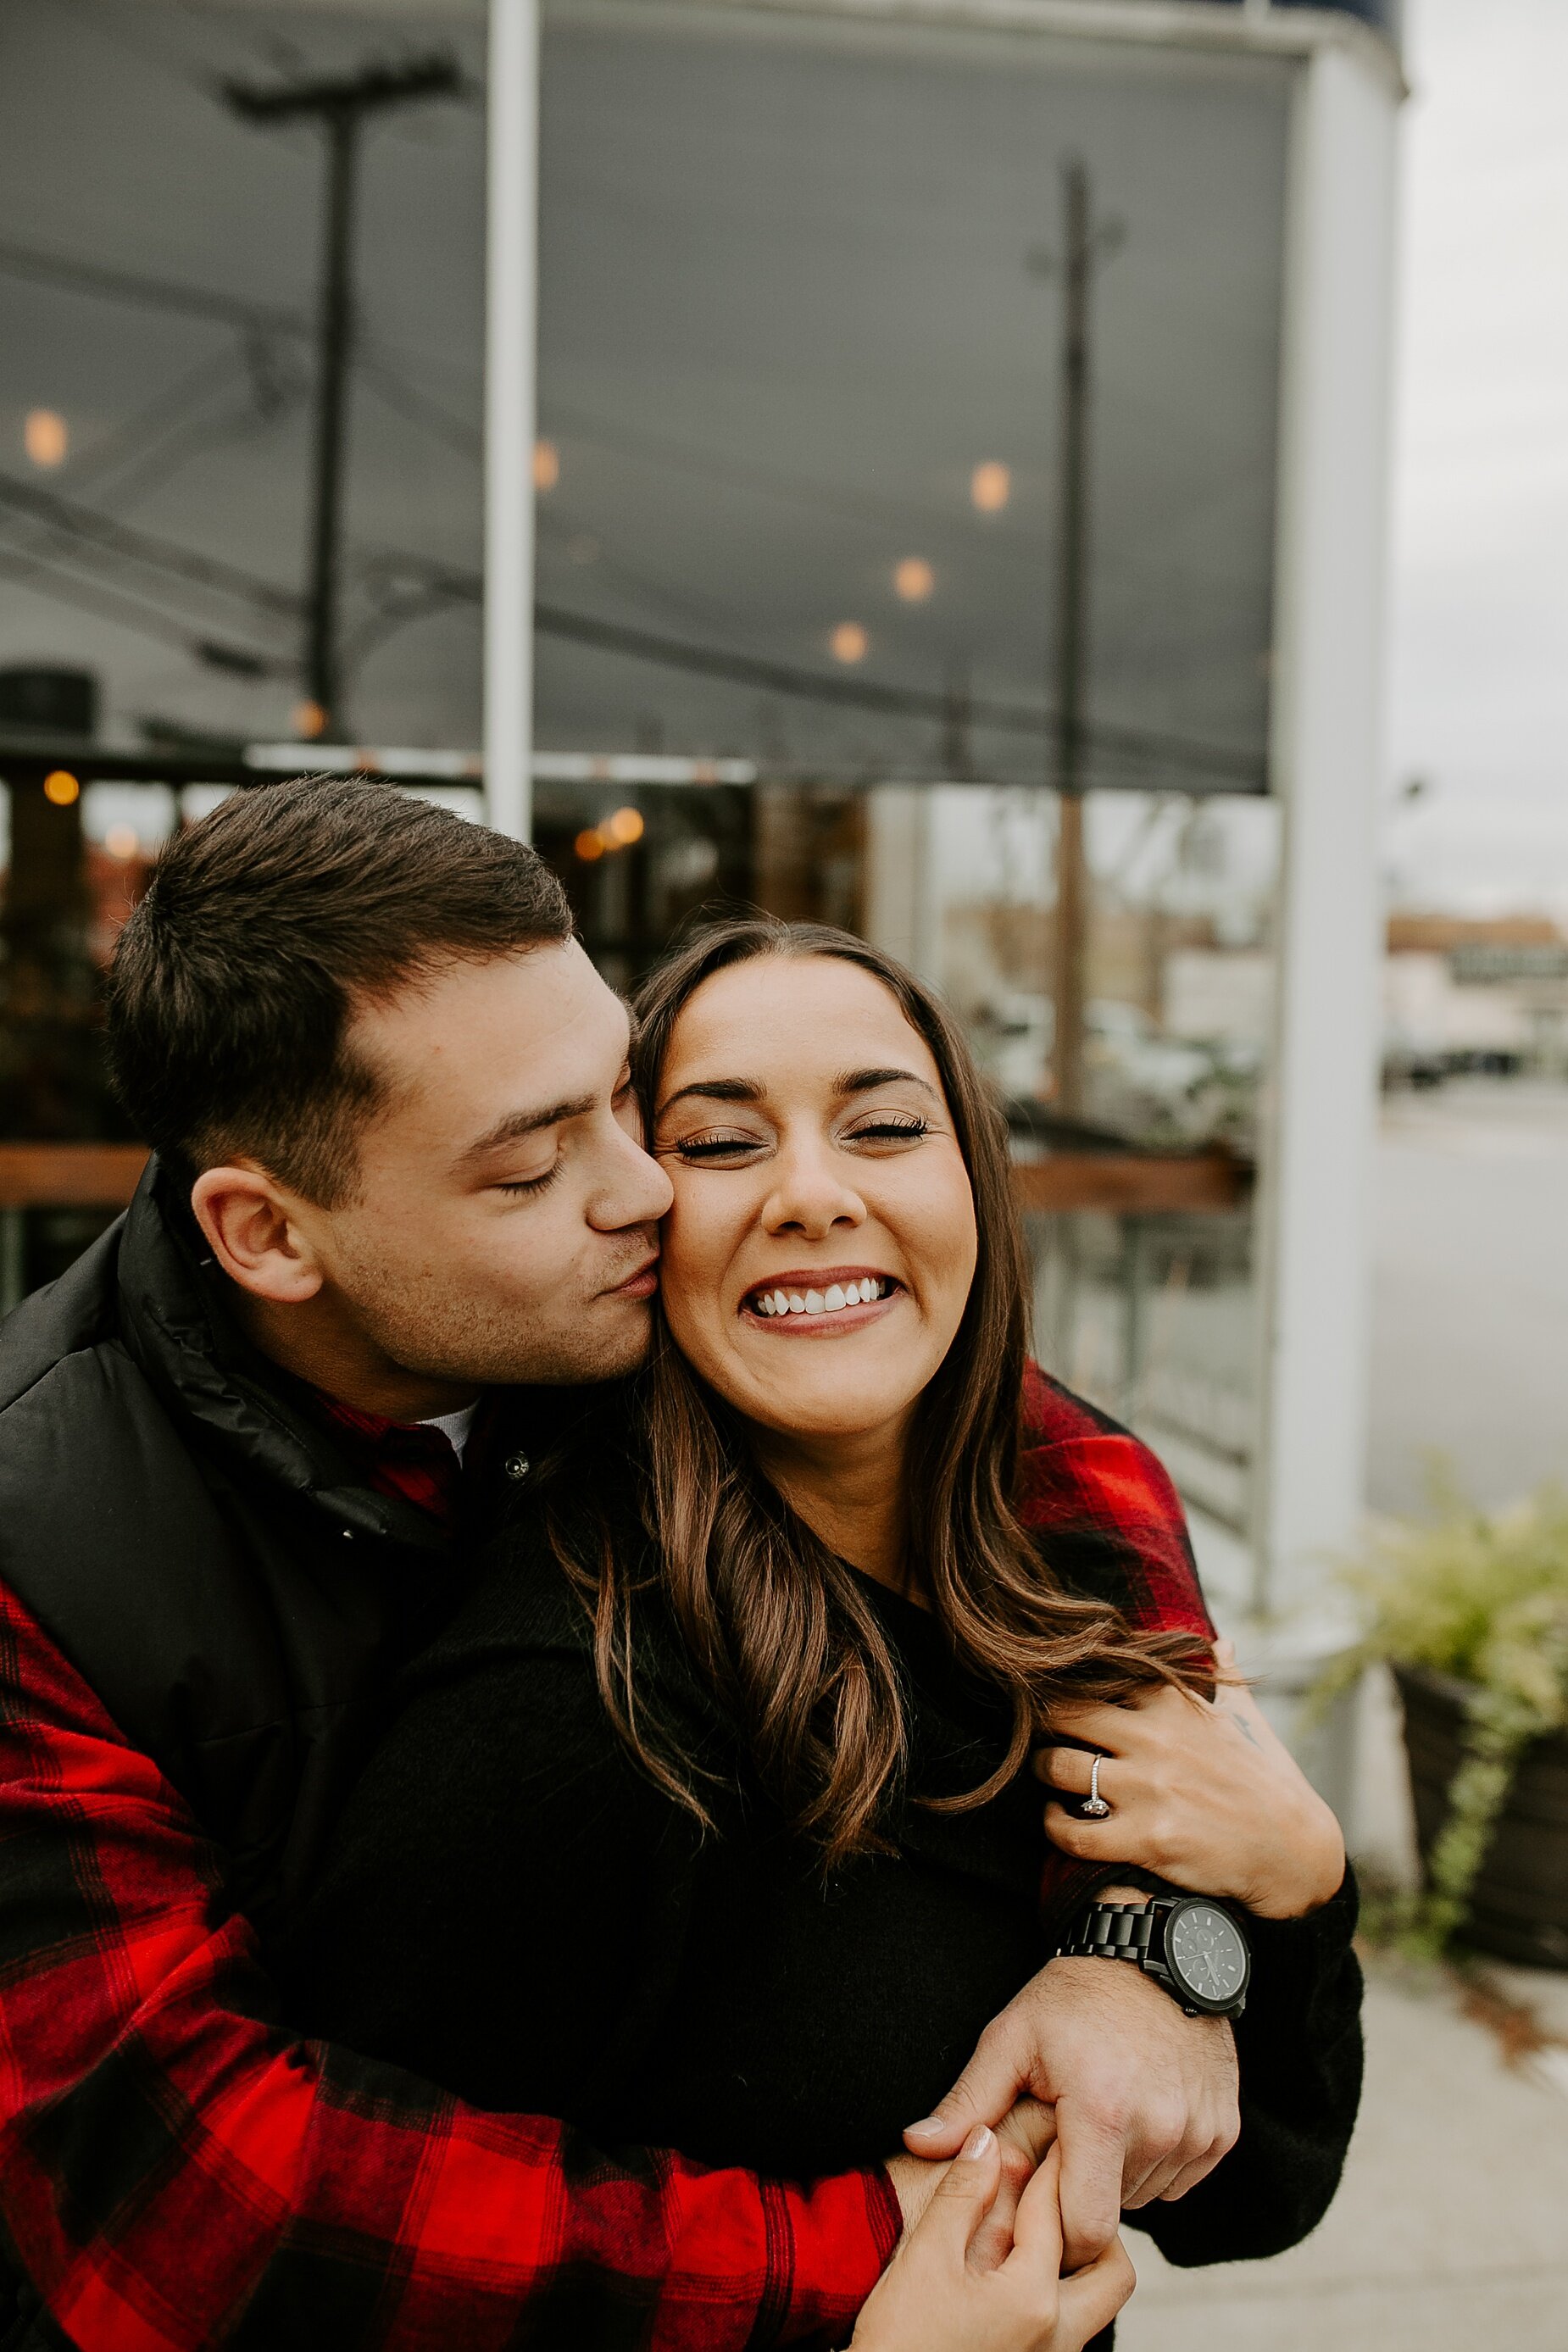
pixel 264 928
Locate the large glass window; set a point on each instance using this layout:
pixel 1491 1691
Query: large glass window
pixel 802 479
pixel 161 276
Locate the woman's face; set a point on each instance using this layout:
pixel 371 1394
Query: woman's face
pixel 820 1248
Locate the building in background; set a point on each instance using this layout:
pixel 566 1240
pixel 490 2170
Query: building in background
pixel 904 428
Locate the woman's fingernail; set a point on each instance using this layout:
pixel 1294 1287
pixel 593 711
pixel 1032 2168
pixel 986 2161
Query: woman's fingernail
pixel 980 2143
pixel 924 2128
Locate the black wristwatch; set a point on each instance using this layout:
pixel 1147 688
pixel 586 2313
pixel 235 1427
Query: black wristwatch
pixel 1186 1942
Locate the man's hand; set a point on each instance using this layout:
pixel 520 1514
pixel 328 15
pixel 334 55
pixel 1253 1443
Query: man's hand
pixel 1145 2099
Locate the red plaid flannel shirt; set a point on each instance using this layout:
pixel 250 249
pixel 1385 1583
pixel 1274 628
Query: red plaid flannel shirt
pixel 177 2171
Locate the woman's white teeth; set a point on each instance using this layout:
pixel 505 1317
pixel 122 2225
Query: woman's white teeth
pixel 822 1302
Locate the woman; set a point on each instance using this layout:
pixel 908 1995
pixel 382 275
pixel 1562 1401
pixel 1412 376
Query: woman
pixel 743 1703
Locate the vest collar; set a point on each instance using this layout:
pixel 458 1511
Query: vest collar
pixel 177 1324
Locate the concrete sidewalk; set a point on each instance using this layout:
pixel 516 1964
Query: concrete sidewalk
pixel 1450 2230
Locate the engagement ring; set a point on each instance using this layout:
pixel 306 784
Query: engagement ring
pixel 1094 1807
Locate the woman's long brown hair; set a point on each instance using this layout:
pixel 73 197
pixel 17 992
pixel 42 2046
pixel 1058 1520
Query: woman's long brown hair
pixel 778 1628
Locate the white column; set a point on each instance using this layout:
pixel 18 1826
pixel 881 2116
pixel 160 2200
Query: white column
pixel 1328 758
pixel 511 336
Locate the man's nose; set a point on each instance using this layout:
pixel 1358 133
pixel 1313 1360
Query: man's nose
pixel 636 1191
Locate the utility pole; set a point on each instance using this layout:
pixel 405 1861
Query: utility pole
pixel 1085 244
pixel 342 106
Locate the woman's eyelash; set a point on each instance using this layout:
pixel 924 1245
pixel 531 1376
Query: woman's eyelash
pixel 533 1184
pixel 709 1147
pixel 888 1130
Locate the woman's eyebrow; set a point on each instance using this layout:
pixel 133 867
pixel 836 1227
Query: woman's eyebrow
pixel 715 1090
pixel 860 1082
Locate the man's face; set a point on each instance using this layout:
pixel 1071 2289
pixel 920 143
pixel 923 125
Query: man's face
pixel 503 1225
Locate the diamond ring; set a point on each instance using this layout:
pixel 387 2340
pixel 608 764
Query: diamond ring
pixel 1094 1807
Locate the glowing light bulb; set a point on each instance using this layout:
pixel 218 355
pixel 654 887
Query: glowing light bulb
pixel 589 844
pixel 309 720
pixel 121 840
pixel 46 436
pixel 913 578
pixel 849 642
pixel 991 487
pixel 546 465
pixel 625 827
pixel 61 787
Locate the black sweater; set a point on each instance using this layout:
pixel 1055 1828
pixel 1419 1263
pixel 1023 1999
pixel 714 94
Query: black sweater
pixel 513 1910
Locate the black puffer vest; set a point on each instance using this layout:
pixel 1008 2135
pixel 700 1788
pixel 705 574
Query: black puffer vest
pixel 200 1549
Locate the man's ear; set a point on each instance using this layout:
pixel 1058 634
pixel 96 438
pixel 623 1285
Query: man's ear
pixel 249 1222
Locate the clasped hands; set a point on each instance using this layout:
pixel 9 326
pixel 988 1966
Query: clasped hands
pixel 1088 2094
pixel 1093 2093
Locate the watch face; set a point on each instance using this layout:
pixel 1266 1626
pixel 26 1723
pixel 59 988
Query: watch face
pixel 1205 1953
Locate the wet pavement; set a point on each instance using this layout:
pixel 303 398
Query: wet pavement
pixel 1450 2231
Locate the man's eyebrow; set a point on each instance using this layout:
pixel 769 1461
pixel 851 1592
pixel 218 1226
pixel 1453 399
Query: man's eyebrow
pixel 861 1081
pixel 520 1123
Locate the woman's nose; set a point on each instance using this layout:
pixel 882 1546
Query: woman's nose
pixel 810 1197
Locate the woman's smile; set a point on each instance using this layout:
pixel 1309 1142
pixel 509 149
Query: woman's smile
pixel 821 1302
pixel 820 1194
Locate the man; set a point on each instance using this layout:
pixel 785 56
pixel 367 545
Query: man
pixel 398 1195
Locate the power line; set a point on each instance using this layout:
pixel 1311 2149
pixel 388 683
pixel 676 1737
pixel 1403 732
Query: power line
pixel 1134 745
pixel 130 612
pixel 772 481
pixel 159 466
pixel 1126 743
pixel 416 407
pixel 127 442
pixel 140 547
pixel 149 293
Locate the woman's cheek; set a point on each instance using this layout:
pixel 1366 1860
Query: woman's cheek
pixel 689 1283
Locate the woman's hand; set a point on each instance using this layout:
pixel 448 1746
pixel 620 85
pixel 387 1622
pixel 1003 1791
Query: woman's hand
pixel 1207 1796
pixel 941 2293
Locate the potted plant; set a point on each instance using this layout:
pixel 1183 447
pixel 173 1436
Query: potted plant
pixel 1469 1609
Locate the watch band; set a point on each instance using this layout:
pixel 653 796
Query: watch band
pixel 1136 1932
pixel 1112 1931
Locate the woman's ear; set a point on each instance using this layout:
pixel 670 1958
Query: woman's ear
pixel 252 1233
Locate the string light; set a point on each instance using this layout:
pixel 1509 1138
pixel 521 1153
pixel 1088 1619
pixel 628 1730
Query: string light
pixel 849 642
pixel 121 840
pixel 309 720
pixel 589 844
pixel 913 578
pixel 546 466
pixel 46 436
pixel 991 487
pixel 625 827
pixel 61 787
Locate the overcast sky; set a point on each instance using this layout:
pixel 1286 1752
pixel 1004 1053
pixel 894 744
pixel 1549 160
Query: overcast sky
pixel 1479 672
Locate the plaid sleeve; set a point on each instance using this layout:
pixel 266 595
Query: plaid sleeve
pixel 1109 1524
pixel 177 2172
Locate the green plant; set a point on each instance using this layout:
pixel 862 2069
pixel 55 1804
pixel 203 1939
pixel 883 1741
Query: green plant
pixel 1482 1596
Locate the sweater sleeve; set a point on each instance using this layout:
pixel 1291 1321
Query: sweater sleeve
pixel 1108 1522
pixel 1299 2044
pixel 179 2171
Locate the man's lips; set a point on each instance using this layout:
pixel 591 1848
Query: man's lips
pixel 640 1284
